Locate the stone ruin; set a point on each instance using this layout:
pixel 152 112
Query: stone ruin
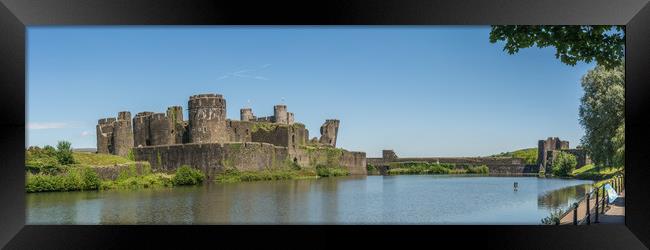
pixel 207 124
pixel 548 149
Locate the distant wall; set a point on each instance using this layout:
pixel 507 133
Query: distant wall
pixel 497 165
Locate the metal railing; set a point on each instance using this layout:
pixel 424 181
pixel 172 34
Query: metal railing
pixel 601 202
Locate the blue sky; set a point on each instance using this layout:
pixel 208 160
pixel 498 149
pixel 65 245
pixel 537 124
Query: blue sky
pixel 420 90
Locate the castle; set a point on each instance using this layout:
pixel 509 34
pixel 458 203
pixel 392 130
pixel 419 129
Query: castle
pixel 547 150
pixel 210 141
pixel 550 148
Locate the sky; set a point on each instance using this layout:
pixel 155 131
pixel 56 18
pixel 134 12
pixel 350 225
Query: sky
pixel 419 90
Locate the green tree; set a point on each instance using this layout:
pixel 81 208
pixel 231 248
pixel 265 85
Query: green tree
pixel 563 164
pixel 64 153
pixel 604 44
pixel 602 114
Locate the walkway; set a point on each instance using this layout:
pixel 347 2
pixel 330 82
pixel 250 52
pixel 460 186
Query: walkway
pixel 616 212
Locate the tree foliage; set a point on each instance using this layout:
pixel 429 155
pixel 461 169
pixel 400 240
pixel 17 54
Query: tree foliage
pixel 563 164
pixel 602 114
pixel 64 153
pixel 603 43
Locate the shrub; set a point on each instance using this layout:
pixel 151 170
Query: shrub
pixel 44 160
pixel 185 175
pixel 563 164
pixel 553 218
pixel 64 153
pixel 478 170
pixel 131 155
pixel 140 181
pixel 75 179
pixel 324 171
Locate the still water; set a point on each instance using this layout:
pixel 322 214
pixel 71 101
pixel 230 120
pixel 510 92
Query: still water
pixel 404 199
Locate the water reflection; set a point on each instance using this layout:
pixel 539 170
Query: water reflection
pixel 562 198
pixel 346 200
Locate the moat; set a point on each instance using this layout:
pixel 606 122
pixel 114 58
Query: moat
pixel 405 199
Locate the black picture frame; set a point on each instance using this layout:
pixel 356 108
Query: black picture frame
pixel 15 15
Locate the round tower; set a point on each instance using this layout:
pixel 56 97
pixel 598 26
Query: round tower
pixel 141 135
pixel 280 114
pixel 207 113
pixel 246 114
pixel 160 129
pixel 123 134
pixel 105 135
pixel 175 114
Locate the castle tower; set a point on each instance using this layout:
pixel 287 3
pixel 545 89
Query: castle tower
pixel 246 114
pixel 141 136
pixel 207 113
pixel 122 134
pixel 280 113
pixel 290 119
pixel 328 132
pixel 388 155
pixel 105 135
pixel 175 114
pixel 160 127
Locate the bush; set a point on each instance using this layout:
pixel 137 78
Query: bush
pixel 75 179
pixel 140 181
pixel 325 171
pixel 131 155
pixel 44 160
pixel 185 175
pixel 478 170
pixel 64 153
pixel 553 218
pixel 563 164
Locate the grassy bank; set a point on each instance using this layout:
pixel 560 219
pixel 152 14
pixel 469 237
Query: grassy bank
pixel 48 170
pixel 591 172
pixel 234 175
pixel 528 154
pixel 435 168
pixel 85 178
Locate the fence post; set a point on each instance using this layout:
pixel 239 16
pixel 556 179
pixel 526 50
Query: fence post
pixel 596 219
pixel 588 212
pixel 575 214
pixel 604 195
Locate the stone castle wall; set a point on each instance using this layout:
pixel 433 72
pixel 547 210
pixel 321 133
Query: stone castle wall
pixel 214 158
pixel 355 162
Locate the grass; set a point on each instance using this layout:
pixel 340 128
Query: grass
pixel 93 159
pixel 591 172
pixel 434 168
pixel 234 175
pixel 152 180
pixel 528 154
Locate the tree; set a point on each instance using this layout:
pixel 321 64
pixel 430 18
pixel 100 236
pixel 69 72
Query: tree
pixel 64 153
pixel 563 164
pixel 602 114
pixel 603 43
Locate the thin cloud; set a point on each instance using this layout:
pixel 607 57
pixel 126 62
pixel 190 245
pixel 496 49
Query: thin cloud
pixel 47 125
pixel 85 133
pixel 247 73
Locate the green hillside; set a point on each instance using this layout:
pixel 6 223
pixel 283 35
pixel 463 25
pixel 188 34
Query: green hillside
pixel 528 154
